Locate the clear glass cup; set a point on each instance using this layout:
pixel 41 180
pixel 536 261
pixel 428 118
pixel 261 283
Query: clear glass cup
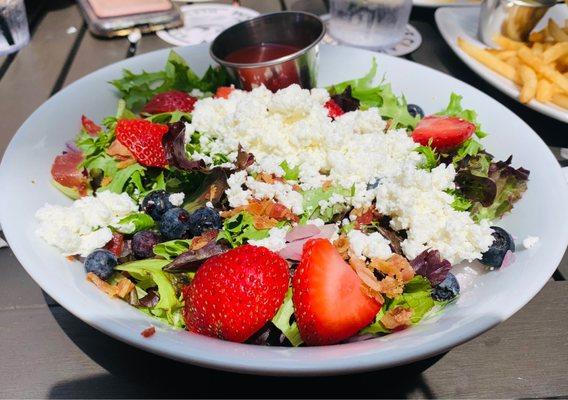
pixel 371 24
pixel 13 26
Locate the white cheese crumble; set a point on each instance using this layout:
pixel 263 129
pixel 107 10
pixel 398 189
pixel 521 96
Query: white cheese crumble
pixel 83 226
pixel 417 202
pixel 275 241
pixel 176 199
pixel 530 241
pixel 373 245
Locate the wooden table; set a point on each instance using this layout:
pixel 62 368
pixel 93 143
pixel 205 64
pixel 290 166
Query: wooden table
pixel 45 351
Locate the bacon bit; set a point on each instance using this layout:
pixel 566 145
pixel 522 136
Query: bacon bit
pixel 342 246
pixel 366 217
pixel 212 192
pixel 199 242
pixel 398 317
pixel 148 332
pixel 365 274
pixel 297 187
pixel 391 287
pixel 121 154
pixel 264 208
pixel 90 126
pixel 264 222
pixel 396 266
pixel 124 287
pixel 326 185
pixel 70 258
pixel 102 285
pixel 265 177
pixel 389 123
pixel 116 244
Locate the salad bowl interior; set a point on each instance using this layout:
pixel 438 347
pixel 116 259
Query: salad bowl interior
pixel 487 298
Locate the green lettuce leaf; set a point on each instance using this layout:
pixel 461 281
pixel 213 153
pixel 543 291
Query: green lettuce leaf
pixel 381 96
pixel 134 222
pixel 138 89
pixel 122 177
pixel 290 174
pixel 431 158
pixel 282 320
pixel 416 296
pixel 172 248
pixel 312 197
pixel 169 117
pixel 238 229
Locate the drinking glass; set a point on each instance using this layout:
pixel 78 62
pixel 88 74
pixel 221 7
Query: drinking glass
pixel 371 24
pixel 13 26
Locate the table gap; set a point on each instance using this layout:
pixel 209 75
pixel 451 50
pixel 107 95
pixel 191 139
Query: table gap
pixel 69 61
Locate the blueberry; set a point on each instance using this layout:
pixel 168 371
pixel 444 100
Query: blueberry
pixel 143 243
pixel 447 289
pixel 502 242
pixel 156 203
pixel 101 262
pixel 202 220
pixel 415 110
pixel 174 224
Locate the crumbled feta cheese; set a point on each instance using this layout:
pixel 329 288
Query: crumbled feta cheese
pixel 416 201
pixel 284 193
pixel 530 241
pixel 83 226
pixel 236 195
pixel 275 241
pixel 209 205
pixel 176 198
pixel 373 245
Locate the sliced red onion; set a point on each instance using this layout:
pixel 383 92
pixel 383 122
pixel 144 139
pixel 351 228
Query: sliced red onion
pixel 359 338
pixel 508 259
pixel 293 251
pixel 302 232
pixel 326 231
pixel 72 147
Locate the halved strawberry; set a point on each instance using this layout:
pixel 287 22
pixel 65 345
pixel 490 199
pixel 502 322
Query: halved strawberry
pixel 235 294
pixel 446 133
pixel 333 109
pixel 173 100
pixel 328 297
pixel 144 140
pixel 66 171
pixel 224 92
pixel 90 126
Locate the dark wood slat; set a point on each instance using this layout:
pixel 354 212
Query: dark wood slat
pixel 31 76
pixel 317 7
pixel 262 6
pixel 70 359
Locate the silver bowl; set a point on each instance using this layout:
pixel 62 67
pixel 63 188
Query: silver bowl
pixel 298 29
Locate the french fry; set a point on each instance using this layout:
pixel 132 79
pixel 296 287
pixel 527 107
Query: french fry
pixel 560 100
pixel 537 49
pixel 545 70
pixel 489 60
pixel 505 54
pixel 555 31
pixel 528 90
pixel 507 44
pixel 539 36
pixel 543 91
pixel 555 52
pixel 514 62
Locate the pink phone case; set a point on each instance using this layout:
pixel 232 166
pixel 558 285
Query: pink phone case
pixel 116 8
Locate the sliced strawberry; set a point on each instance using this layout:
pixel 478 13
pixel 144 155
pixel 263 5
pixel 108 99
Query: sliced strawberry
pixel 328 297
pixel 90 126
pixel 67 172
pixel 116 244
pixel 144 140
pixel 224 92
pixel 235 294
pixel 446 133
pixel 173 100
pixel 333 109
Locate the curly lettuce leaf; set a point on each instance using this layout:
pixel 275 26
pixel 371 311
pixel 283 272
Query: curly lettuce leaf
pixel 122 177
pixel 134 222
pixel 282 320
pixel 171 249
pixel 312 198
pixel 381 96
pixel 290 174
pixel 239 229
pixel 138 89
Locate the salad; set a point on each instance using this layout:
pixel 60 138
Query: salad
pixel 300 217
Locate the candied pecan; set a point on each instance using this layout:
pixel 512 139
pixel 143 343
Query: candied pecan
pixel 199 242
pixel 342 246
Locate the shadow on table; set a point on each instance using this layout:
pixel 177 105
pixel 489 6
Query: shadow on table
pixel 136 373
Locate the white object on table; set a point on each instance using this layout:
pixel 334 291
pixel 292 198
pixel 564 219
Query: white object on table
pixel 445 3
pixel 462 22
pixel 203 22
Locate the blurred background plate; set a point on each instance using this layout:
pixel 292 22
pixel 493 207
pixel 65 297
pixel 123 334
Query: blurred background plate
pixel 446 3
pixel 203 22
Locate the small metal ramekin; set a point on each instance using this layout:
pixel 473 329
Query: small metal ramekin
pixel 299 29
pixel 514 19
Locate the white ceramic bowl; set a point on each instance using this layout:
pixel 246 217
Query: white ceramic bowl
pixel 492 298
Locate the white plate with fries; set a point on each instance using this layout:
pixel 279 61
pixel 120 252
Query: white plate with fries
pixel 535 73
pixel 446 3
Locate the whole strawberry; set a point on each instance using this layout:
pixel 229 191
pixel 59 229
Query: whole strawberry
pixel 173 100
pixel 235 294
pixel 144 140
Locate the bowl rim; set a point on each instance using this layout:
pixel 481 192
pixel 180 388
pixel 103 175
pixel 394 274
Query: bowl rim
pixel 276 61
